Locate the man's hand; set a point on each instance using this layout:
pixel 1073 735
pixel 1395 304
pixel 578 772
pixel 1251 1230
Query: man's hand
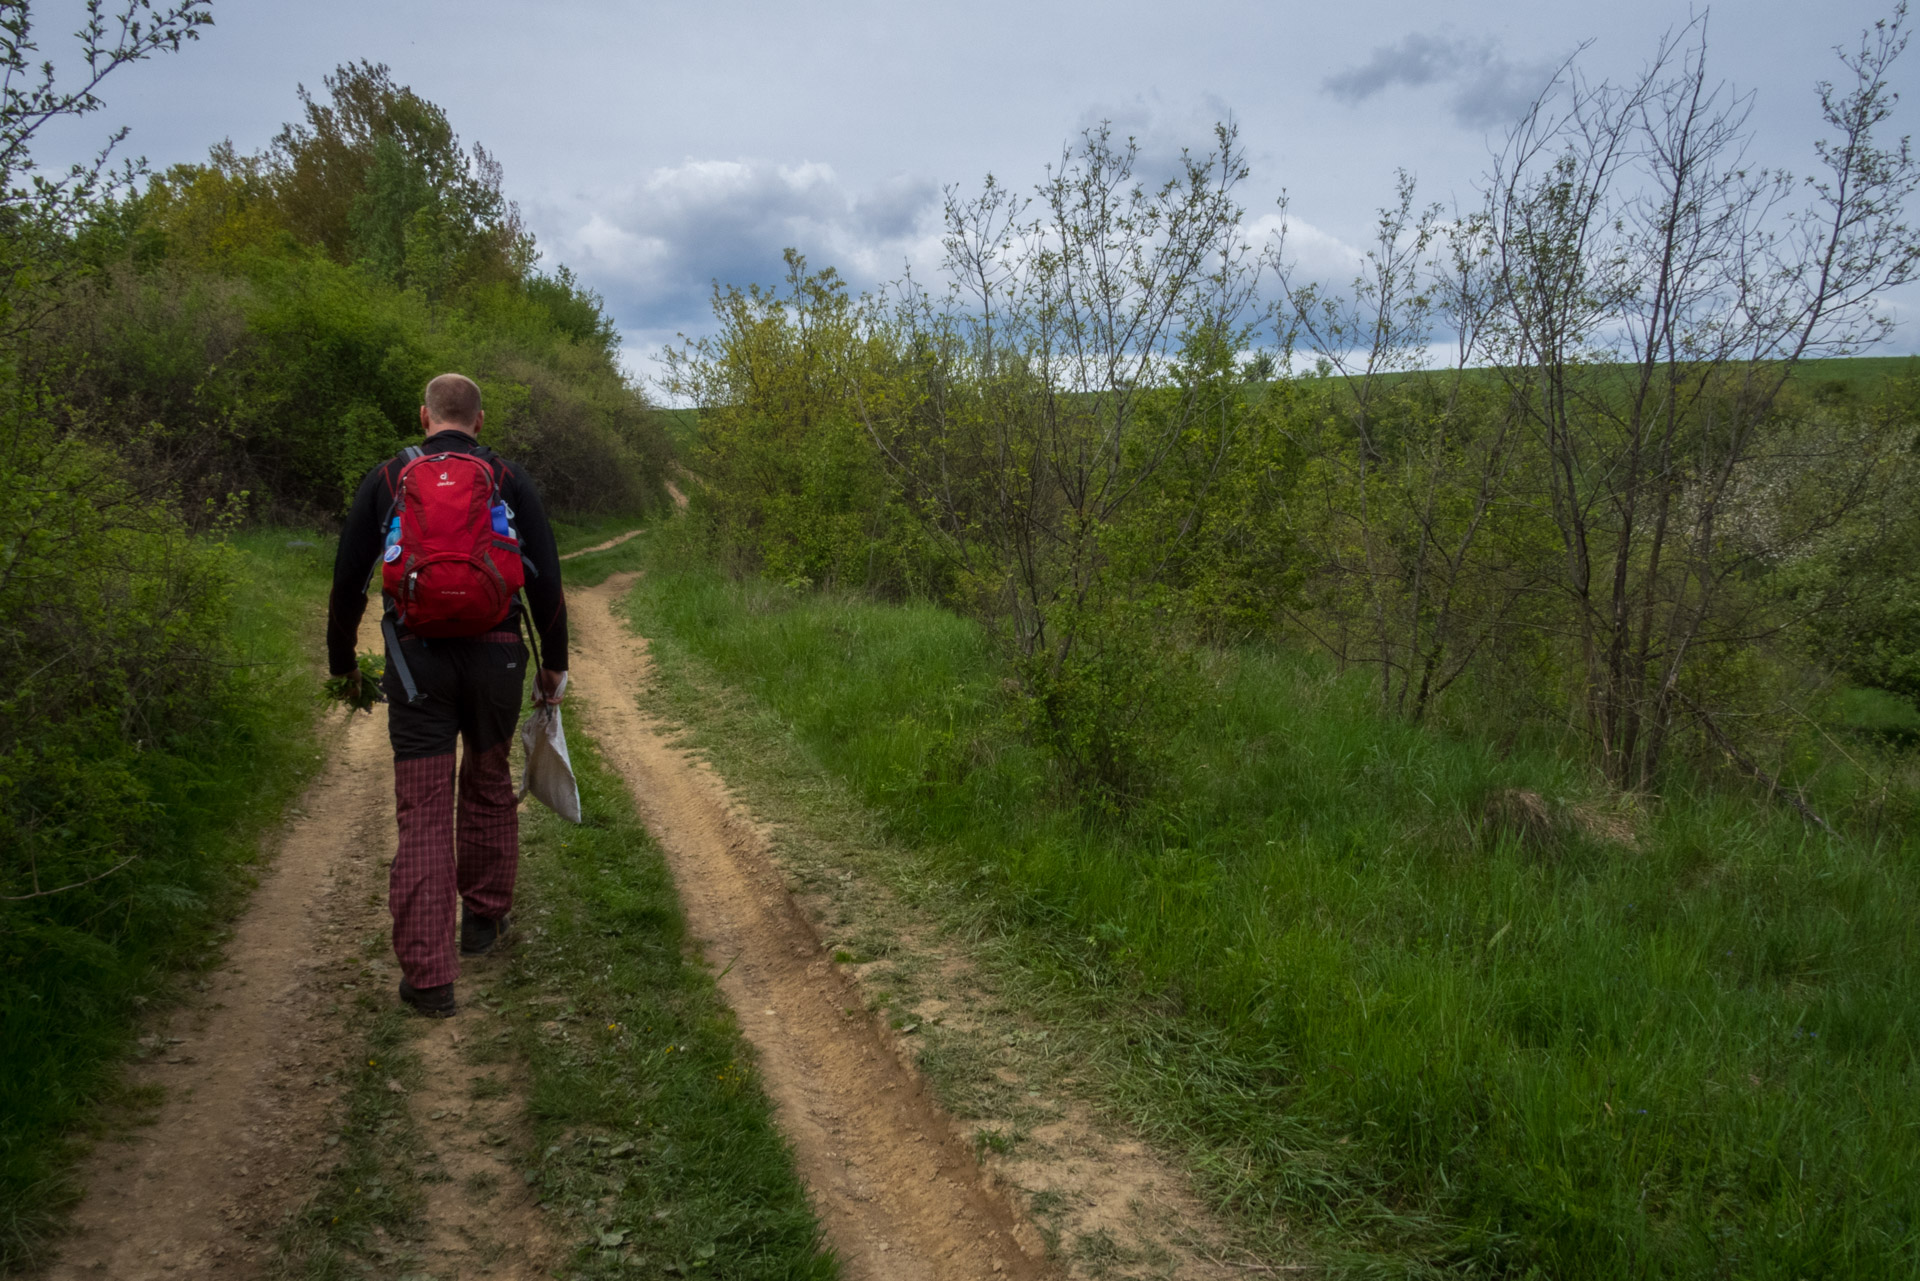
pixel 549 687
pixel 359 689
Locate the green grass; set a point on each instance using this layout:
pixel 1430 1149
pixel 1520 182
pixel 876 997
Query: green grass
pixel 74 981
pixel 1851 375
pixel 1365 1012
pixel 1855 376
pixel 655 1137
pixel 1876 714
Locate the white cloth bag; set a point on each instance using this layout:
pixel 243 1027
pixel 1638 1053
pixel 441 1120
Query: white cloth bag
pixel 549 770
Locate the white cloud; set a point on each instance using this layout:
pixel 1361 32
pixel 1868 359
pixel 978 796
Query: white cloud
pixel 1159 130
pixel 1311 254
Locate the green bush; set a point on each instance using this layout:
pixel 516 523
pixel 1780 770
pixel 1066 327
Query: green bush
pixel 795 490
pixel 286 377
pixel 264 324
pixel 158 697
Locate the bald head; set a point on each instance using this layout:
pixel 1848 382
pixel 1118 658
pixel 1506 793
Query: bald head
pixel 451 400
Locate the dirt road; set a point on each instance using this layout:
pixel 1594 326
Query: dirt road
pixel 249 1072
pixel 242 1137
pixel 237 1140
pixel 248 1069
pixel 896 1187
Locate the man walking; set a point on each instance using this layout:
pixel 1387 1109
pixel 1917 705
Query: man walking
pixel 454 672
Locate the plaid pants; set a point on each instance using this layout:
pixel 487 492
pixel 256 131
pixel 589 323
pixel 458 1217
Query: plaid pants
pixel 470 695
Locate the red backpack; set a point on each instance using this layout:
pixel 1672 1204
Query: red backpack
pixel 452 562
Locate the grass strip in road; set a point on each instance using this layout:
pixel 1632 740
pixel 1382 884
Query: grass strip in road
pixel 654 1139
pixel 365 1214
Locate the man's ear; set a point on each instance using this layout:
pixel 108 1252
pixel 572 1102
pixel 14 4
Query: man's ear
pixel 426 421
pixel 479 420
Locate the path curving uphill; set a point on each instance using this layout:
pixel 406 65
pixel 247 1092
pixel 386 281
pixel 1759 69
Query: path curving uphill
pixel 607 546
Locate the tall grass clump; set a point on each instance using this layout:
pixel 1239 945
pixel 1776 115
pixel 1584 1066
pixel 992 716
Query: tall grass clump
pixel 1444 1002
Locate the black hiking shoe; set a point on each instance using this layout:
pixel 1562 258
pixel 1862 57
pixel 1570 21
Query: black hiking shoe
pixel 478 934
pixel 433 1002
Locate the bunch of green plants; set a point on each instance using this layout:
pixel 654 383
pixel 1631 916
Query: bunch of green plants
pixel 794 489
pixel 1623 510
pixel 1062 449
pixel 360 696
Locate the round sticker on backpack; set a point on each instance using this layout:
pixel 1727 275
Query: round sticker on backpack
pixel 393 552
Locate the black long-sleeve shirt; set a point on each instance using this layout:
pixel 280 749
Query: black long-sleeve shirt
pixel 365 534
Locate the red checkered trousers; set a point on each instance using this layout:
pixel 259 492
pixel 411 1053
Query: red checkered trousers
pixel 459 834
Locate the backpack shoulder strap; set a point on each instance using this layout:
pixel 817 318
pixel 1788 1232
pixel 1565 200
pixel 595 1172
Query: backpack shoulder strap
pixel 496 466
pixel 405 457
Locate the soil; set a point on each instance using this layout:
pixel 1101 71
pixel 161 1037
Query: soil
pixel 247 1068
pixel 482 1220
pixel 203 1187
pixel 895 1183
pixel 1106 1204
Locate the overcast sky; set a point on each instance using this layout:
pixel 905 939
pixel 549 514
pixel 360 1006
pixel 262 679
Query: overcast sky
pixel 656 148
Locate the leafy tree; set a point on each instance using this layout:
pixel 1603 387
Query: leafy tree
pixel 1078 412
pixel 1626 475
pixel 1648 309
pixel 38 211
pixel 377 176
pixel 264 323
pixel 796 490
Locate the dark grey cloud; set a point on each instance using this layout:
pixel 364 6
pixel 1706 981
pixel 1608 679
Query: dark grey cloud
pixel 656 248
pixel 897 209
pixel 1488 87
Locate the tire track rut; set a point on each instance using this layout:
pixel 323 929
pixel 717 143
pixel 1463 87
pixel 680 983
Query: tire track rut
pixel 896 1185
